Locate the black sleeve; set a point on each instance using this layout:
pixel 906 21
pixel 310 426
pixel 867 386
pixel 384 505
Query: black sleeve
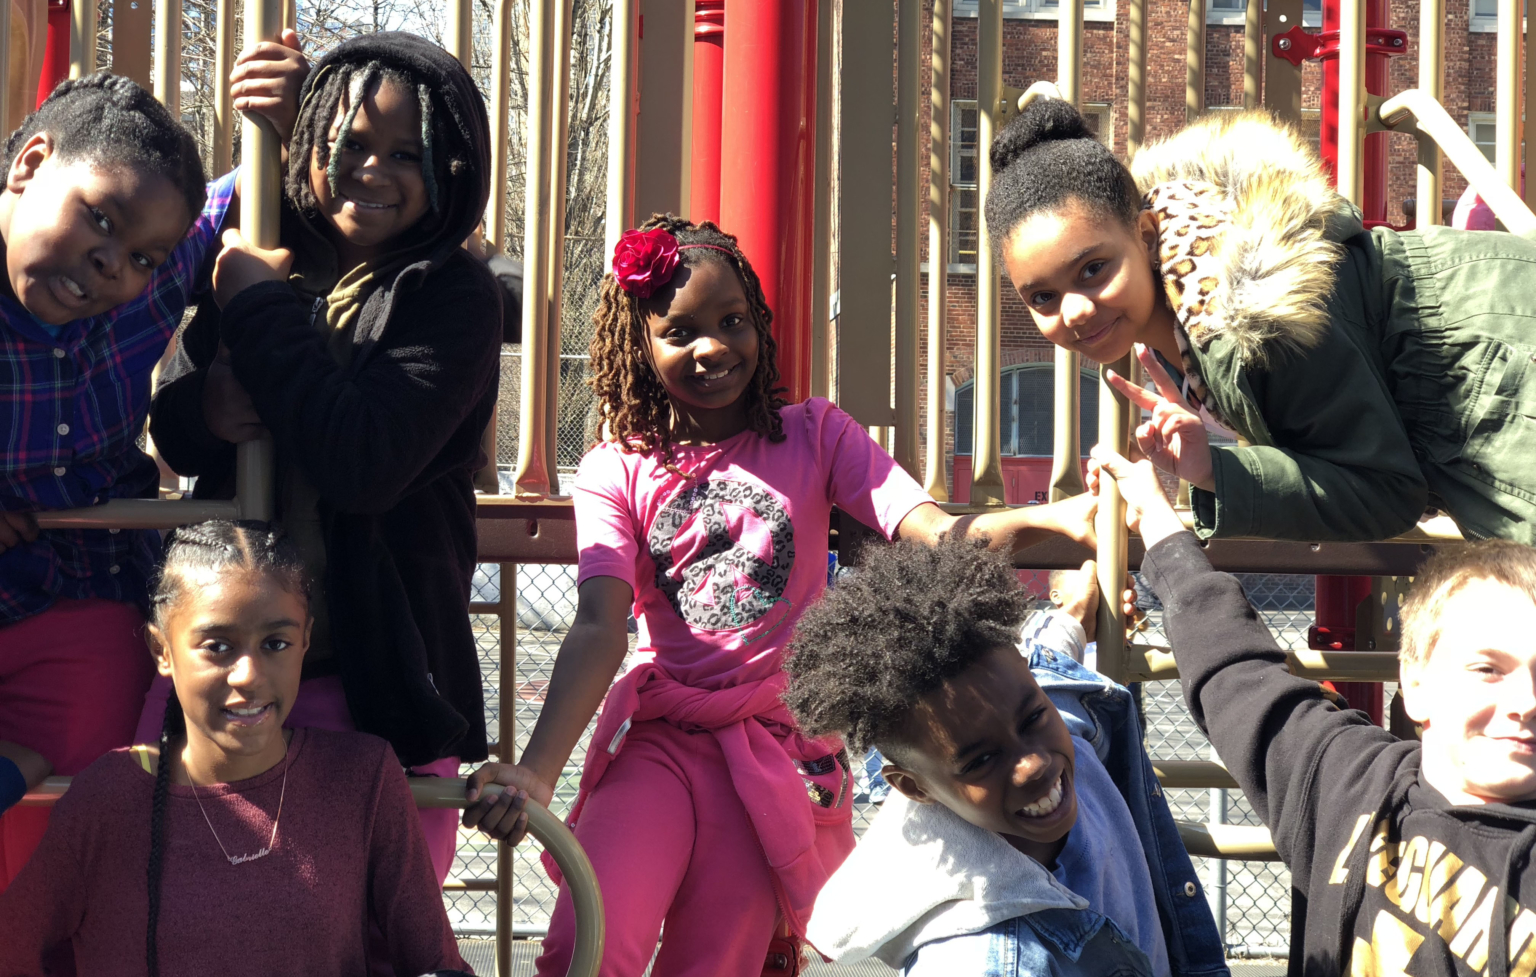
pixel 363 436
pixel 176 413
pixel 1291 750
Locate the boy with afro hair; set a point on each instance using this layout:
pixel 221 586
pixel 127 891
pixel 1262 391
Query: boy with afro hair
pixel 1027 833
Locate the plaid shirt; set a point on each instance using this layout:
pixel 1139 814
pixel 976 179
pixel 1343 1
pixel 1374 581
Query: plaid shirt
pixel 74 406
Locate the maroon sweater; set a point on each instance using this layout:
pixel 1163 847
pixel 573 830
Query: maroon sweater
pixel 349 852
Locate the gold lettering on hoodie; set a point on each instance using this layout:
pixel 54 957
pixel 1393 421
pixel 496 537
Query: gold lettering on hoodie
pixel 1435 891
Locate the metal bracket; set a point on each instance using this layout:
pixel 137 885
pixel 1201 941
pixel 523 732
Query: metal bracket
pixel 1297 45
pixel 1008 105
pixel 1373 120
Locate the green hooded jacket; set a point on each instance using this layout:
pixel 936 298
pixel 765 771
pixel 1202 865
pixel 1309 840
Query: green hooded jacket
pixel 1372 373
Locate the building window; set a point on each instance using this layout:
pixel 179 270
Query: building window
pixel 1233 12
pixel 1485 16
pixel 964 161
pixel 1484 129
pixel 1040 9
pixel 1027 403
pixel 964 217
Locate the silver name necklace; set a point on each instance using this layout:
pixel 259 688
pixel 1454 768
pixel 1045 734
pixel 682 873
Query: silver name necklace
pixel 264 852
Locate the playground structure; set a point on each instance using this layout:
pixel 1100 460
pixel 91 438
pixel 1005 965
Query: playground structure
pixel 751 122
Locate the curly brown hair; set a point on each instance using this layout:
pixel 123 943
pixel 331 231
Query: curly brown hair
pixel 631 400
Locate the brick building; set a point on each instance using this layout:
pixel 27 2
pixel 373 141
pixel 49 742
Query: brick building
pixel 1029 55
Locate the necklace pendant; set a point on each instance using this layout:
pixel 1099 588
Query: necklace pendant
pixel 242 859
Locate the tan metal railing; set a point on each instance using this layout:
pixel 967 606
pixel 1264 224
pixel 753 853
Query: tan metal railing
pixel 938 248
pixel 1416 111
pixel 986 457
pixel 1194 60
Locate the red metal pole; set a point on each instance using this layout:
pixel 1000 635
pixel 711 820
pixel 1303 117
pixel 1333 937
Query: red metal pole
pixel 767 163
pixel 56 53
pixel 1377 14
pixel 708 79
pixel 1338 597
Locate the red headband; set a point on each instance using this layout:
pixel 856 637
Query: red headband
pixel 643 261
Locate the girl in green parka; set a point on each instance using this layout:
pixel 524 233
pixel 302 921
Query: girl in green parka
pixel 1371 373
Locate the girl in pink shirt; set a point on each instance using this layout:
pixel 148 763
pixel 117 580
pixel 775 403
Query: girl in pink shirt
pixel 239 847
pixel 702 806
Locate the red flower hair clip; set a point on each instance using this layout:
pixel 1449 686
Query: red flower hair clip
pixel 644 261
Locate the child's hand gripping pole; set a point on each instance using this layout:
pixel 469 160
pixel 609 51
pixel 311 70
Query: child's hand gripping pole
pixel 260 200
pixel 1175 437
pixel 551 832
pixel 1147 510
pixel 266 81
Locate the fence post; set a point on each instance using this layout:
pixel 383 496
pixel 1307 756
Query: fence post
pixel 987 469
pixel 506 752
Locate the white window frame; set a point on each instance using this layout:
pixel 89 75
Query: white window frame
pixel 1093 10
pixel 1486 23
pixel 1106 116
pixel 956 106
pixel 1235 17
pixel 1475 119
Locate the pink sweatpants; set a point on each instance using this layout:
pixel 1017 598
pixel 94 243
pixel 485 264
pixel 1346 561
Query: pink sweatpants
pixel 72 681
pixel 670 840
pixel 322 704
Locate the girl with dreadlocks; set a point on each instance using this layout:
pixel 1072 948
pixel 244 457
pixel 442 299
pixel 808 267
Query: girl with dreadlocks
pixel 369 348
pixel 707 510
pixel 194 850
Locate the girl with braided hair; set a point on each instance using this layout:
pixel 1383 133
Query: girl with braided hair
pixel 104 224
pixel 237 846
pixel 369 346
pixel 706 509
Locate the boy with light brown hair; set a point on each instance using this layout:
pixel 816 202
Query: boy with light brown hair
pixel 1406 857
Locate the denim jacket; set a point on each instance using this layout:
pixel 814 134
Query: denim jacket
pixel 1104 714
pixel 928 893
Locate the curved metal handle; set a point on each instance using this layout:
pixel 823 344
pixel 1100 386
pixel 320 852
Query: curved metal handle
pixel 557 839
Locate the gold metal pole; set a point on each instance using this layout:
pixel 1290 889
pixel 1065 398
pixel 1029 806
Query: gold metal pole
pixel 909 19
pixel 1194 62
pixel 987 469
pixel 1431 82
pixel 1529 193
pixel 532 477
pixel 1506 90
pixel 1069 50
pixel 1136 78
pixel 168 55
pixel 1351 100
pixel 821 204
pixel 1253 54
pixel 82 38
pixel 223 103
pixel 559 121
pixel 260 198
pixel 934 482
pixel 5 69
pixel 461 31
pixel 290 15
pixel 1434 123
pixel 622 87
pixel 506 752
pixel 501 94
pixel 1114 431
pixel 1066 457
pixel 132 55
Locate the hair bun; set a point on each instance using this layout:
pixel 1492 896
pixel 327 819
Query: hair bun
pixel 1044 120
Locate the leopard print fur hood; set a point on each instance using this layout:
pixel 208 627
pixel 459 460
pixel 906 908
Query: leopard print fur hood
pixel 1248 231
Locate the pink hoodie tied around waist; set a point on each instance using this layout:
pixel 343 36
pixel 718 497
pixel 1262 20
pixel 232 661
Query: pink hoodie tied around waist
pixel 761 744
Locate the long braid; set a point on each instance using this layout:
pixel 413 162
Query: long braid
pixel 171 727
pixel 632 401
pixel 216 545
pixel 355 93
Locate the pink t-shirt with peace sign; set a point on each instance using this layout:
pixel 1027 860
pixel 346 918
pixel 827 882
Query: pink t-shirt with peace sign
pixel 723 562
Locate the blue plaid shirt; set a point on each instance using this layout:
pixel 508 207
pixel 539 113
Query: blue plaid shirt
pixel 74 406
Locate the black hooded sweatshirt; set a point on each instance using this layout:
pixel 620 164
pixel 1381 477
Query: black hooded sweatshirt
pixel 387 434
pixel 1387 876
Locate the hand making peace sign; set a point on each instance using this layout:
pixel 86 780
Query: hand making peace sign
pixel 1174 439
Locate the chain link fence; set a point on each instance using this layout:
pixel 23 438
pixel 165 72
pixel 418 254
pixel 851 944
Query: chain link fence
pixel 1251 899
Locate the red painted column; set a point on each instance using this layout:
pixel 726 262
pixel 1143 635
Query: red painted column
pixel 1374 197
pixel 767 163
pixel 708 81
pixel 56 53
pixel 1337 600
